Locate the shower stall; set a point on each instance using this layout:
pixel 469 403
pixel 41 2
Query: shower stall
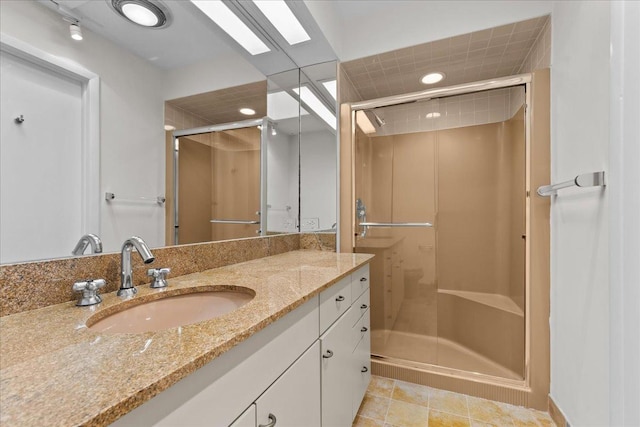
pixel 441 197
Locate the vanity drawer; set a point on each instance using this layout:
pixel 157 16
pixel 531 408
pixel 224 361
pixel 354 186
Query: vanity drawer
pixel 360 281
pixel 333 302
pixel 361 328
pixel 361 305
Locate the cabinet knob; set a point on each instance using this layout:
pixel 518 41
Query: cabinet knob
pixel 364 369
pixel 363 279
pixel 271 423
pixel 364 306
pixel 328 354
pixel 340 298
pixel 364 329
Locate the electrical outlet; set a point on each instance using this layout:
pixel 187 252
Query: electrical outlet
pixel 289 223
pixel 310 223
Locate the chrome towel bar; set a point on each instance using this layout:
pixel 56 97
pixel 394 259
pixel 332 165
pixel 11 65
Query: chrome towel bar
pixel 111 196
pixel 396 224
pixel 592 179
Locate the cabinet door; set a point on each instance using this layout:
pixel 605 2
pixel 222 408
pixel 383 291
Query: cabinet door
pixel 294 399
pixel 337 375
pixel 247 419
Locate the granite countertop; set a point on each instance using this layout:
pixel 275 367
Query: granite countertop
pixel 55 371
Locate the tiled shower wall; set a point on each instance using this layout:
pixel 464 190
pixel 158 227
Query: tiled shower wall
pixel 539 56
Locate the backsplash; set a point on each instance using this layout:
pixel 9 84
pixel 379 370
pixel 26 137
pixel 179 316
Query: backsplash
pixel 38 284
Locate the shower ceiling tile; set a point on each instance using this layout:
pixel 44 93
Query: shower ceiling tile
pixel 486 54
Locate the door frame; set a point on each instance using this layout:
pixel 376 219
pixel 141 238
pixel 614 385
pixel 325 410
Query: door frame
pixel 90 121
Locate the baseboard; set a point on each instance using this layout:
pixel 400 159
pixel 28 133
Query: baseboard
pixel 556 414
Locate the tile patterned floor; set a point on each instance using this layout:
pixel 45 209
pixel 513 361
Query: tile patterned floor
pixel 391 403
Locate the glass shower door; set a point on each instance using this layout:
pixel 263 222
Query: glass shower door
pixel 395 187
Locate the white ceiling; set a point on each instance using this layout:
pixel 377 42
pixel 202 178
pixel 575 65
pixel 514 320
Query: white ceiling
pixel 185 41
pixel 359 28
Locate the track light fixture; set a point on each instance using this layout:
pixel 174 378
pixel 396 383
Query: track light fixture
pixel 75 31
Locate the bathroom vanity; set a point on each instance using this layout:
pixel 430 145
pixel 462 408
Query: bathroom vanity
pixel 297 354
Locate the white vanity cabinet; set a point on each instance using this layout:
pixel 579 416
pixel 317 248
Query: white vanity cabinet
pixel 346 357
pixel 279 376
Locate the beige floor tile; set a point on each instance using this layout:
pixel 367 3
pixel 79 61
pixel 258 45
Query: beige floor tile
pixel 380 386
pixel 488 411
pixel 411 393
pixel 476 423
pixel 442 419
pixel 407 414
pixel 446 401
pixel 367 422
pixel 374 407
pixel 521 417
pixel 543 418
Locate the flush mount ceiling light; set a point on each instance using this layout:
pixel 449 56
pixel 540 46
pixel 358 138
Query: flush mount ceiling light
pixel 433 115
pixel 247 111
pixel 364 123
pixel 219 13
pixel 432 78
pixel 75 31
pixel 141 12
pixel 281 17
pixel 331 87
pixel 310 98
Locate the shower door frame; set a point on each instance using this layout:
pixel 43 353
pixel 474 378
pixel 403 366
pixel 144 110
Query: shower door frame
pixel 444 92
pixel 263 123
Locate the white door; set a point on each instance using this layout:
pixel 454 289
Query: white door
pixel 294 399
pixel 40 162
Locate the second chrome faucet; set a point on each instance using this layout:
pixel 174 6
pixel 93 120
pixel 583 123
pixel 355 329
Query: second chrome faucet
pixel 127 289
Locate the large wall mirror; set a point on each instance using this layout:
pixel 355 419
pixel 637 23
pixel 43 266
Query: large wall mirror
pixel 132 157
pixel 233 178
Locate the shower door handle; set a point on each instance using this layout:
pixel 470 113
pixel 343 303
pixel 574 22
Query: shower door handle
pixel 396 224
pixel 233 221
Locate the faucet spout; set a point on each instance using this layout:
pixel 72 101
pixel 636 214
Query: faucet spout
pixel 86 240
pixel 126 278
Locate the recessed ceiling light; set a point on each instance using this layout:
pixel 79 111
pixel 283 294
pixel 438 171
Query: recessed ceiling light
pixel 169 128
pixel 432 78
pixel 433 115
pixel 141 12
pixel 219 13
pixel 281 17
pixel 331 87
pixel 316 105
pixel 247 111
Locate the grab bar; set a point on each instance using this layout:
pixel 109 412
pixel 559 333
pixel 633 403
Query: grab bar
pixel 396 224
pixel 592 179
pixel 233 221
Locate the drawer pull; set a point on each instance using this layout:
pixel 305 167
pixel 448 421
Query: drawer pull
pixel 364 306
pixel 364 369
pixel 271 423
pixel 328 354
pixel 364 329
pixel 363 279
pixel 340 298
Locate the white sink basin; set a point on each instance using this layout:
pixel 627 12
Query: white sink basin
pixel 172 311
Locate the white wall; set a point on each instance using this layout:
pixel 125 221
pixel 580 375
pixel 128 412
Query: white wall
pixel 282 166
pixel 318 179
pixel 209 75
pixel 131 110
pixel 624 198
pixel 356 28
pixel 579 217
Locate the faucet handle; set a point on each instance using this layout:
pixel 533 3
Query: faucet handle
pixel 89 289
pixel 160 276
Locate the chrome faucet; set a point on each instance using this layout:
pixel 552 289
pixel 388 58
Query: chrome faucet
pixel 126 283
pixel 96 244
